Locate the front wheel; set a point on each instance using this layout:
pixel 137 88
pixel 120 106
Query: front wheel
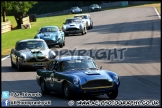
pixel 66 90
pixel 43 87
pixel 12 64
pixel 61 45
pixel 113 94
pixel 19 67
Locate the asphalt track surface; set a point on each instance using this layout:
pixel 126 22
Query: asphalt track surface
pixel 136 29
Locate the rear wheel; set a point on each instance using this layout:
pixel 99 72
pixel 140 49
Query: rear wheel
pixel 113 94
pixel 64 43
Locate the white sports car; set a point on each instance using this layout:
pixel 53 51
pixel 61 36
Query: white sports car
pixel 87 19
pixel 74 26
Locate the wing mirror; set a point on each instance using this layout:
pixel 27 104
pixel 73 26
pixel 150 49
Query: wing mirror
pixel 100 67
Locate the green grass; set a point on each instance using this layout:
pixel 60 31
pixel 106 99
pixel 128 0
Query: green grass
pixel 10 38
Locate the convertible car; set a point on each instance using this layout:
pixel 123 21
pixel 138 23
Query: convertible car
pixel 74 26
pixel 31 53
pixel 86 18
pixel 52 35
pixel 94 7
pixel 70 75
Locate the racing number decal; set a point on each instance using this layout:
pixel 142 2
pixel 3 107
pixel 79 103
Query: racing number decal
pixel 52 79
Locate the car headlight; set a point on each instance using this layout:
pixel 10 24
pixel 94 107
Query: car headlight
pixel 57 38
pixel 52 55
pixel 76 81
pixel 22 56
pixel 81 27
pixel 92 7
pixel 116 78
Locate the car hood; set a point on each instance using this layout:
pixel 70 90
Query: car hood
pixel 34 53
pixel 90 74
pixel 72 25
pixel 48 34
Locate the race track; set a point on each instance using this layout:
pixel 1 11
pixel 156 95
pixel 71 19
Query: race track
pixel 136 29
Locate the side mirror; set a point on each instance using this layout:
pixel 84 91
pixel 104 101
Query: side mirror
pixel 101 67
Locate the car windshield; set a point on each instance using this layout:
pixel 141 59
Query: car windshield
pixel 73 21
pixel 32 45
pixel 77 64
pixel 95 5
pixel 48 29
pixel 82 16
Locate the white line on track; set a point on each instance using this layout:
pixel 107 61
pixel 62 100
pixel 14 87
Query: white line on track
pixel 5 57
pixel 157 12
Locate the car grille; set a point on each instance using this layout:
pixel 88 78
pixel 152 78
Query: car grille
pixel 38 59
pixel 97 84
pixel 71 29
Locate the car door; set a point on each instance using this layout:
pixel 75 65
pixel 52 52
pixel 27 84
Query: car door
pixel 50 75
pixel 58 78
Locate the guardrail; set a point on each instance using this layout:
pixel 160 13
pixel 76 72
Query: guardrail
pixel 103 5
pixel 85 8
pixel 6 26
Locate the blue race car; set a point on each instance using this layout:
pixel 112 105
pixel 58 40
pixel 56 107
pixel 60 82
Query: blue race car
pixel 52 35
pixel 71 75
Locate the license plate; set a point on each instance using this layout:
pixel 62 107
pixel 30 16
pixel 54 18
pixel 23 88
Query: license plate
pixel 72 31
pixel 38 64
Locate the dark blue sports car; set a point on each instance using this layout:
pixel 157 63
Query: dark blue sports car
pixel 52 35
pixel 77 74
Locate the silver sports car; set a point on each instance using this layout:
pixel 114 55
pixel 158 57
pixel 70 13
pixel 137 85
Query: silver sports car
pixel 31 53
pixel 74 26
pixel 87 19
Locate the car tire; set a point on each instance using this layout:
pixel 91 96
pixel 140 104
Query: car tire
pixel 91 26
pixel 64 43
pixel 43 87
pixel 113 94
pixel 66 34
pixel 61 45
pixel 83 32
pixel 19 67
pixel 66 90
pixel 12 64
